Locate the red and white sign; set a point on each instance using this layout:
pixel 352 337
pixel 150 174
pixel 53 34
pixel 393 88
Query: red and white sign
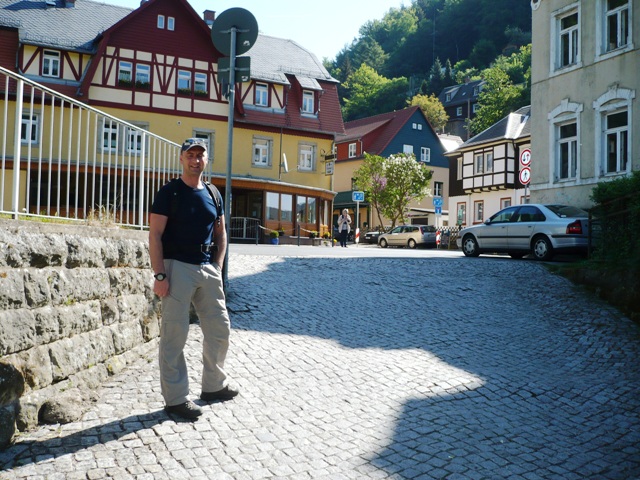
pixel 525 157
pixel 525 175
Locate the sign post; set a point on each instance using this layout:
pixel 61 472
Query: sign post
pixel 525 171
pixel 357 196
pixel 437 205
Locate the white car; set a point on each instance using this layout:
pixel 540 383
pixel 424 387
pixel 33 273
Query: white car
pixel 541 230
pixel 409 236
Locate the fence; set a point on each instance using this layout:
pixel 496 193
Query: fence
pixel 61 158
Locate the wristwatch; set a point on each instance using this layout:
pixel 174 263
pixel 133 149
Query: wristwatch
pixel 160 276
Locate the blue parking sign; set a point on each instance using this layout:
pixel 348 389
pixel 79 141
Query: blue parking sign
pixel 357 196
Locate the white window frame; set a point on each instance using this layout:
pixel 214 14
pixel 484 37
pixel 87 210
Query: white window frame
pixel 407 149
pixel 262 95
pixel 570 35
pixel 184 80
pixel 478 163
pixel 566 112
pixel 160 22
pixel 51 64
pixel 30 124
pixel 125 71
pixel 171 24
pixel 604 48
pixel 308 101
pixel 438 188
pixel 504 203
pixel 143 73
pixel 447 97
pixel 110 136
pixel 459 173
pixel 306 157
pixel 569 143
pixel 475 107
pixel 478 211
pixel 353 149
pixel 133 140
pixel 488 162
pixel 261 152
pixel 425 154
pixel 200 82
pixel 458 111
pixel 620 135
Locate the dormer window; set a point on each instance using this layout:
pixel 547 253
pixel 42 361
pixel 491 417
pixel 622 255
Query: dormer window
pixel 307 101
pixel 262 97
pixel 51 64
pixel 447 97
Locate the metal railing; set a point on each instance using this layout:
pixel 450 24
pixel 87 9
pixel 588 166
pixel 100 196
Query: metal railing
pixel 61 158
pixel 244 228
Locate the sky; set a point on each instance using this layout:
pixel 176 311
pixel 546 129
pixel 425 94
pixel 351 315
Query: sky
pixel 323 28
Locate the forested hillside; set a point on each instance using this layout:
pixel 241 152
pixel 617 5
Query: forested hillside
pixel 428 45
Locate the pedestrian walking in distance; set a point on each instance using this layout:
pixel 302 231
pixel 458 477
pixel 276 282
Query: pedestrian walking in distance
pixel 187 245
pixel 344 227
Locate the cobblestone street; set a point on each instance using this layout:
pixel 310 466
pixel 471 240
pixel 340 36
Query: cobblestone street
pixel 356 367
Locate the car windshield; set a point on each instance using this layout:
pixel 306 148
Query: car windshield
pixel 564 211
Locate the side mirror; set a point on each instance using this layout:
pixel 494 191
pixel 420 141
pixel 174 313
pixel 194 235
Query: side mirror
pixel 487 221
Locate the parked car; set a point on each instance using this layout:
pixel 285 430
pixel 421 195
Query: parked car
pixel 541 230
pixel 372 236
pixel 410 236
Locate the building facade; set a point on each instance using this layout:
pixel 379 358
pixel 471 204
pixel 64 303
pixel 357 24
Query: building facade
pixel 156 68
pixel 584 93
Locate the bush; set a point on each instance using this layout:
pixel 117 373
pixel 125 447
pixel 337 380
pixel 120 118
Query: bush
pixel 274 234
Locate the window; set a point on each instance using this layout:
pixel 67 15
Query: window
pixel 419 126
pixel 306 157
pixel 567 44
pixel 307 102
pixel 462 214
pixel 200 84
pixel 567 154
pixel 311 209
pixel 125 74
pixel 478 211
pixel 438 188
pixel 415 126
pixel 616 142
pixel 109 137
pixel 408 149
pixel 352 150
pixel 488 161
pixel 460 169
pixel 161 21
pixel 425 154
pixel 272 207
pixel 262 98
pixel 134 141
pixel 301 209
pixel 617 24
pixel 479 163
pixel 447 97
pixel 459 112
pixel 504 203
pixel 143 75
pixel 475 107
pixel 171 23
pixel 261 152
pixel 184 82
pixel 51 64
pixel 29 133
pixel 286 207
pixel 208 139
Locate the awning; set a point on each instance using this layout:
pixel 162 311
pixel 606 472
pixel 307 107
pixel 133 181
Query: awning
pixel 344 200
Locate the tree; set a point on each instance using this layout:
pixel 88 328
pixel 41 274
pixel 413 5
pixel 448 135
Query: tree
pixel 392 183
pixel 369 93
pixel 432 109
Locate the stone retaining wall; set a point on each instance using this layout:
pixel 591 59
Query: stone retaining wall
pixel 76 305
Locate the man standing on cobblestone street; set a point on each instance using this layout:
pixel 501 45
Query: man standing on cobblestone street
pixel 187 245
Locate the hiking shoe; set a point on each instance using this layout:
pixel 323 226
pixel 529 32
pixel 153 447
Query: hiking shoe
pixel 226 393
pixel 188 410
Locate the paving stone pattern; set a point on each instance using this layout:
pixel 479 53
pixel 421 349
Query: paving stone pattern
pixel 374 368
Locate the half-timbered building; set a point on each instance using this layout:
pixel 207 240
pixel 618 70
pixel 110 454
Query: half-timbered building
pixel 156 68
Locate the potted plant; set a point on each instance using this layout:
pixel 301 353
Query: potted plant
pixel 274 237
pixel 313 234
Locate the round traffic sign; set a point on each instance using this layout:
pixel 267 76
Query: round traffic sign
pixel 246 30
pixel 525 175
pixel 525 157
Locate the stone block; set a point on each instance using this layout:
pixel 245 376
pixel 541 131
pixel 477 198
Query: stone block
pixel 11 384
pixel 36 288
pixel 12 289
pixel 18 331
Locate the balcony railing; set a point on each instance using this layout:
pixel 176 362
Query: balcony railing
pixel 62 158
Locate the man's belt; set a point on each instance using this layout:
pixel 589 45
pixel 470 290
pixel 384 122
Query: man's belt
pixel 190 248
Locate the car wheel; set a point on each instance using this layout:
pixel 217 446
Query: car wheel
pixel 383 243
pixel 412 243
pixel 470 246
pixel 517 256
pixel 542 249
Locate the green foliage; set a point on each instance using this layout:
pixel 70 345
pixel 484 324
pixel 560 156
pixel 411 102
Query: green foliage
pixel 432 109
pixel 392 183
pixel 617 214
pixel 507 88
pixel 370 93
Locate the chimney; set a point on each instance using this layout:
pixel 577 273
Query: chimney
pixel 209 17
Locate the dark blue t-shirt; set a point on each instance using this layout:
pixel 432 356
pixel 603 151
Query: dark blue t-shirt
pixel 192 213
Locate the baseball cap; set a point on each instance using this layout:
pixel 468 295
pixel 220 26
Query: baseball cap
pixel 193 142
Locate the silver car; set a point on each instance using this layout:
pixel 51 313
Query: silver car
pixel 541 230
pixel 409 236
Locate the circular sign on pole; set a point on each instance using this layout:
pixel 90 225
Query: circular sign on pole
pixel 525 157
pixel 525 175
pixel 245 24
